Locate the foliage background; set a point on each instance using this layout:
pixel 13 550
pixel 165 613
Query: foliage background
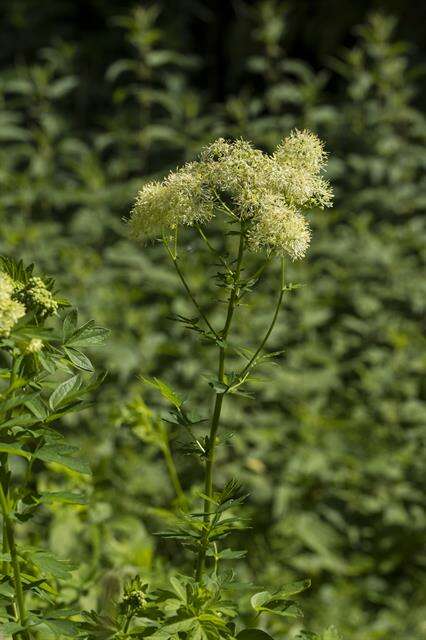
pixel 97 97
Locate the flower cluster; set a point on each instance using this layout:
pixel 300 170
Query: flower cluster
pixel 10 310
pixel 17 297
pixel 41 296
pixel 34 346
pixel 134 597
pixel 269 191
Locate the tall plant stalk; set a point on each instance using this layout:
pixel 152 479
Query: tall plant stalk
pixel 208 483
pixel 221 338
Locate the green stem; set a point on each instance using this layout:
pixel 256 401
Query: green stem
pixel 212 249
pixel 171 469
pixel 5 462
pixel 174 259
pixel 208 486
pixel 127 622
pixel 242 376
pixel 19 593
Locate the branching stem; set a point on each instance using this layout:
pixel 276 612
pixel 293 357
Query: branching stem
pixel 208 488
pixel 174 259
pixel 243 375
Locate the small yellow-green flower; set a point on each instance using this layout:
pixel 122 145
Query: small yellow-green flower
pixel 271 192
pixel 41 296
pixel 34 346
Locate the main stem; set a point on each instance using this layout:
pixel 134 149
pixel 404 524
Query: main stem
pixel 9 544
pixel 208 485
pixel 10 535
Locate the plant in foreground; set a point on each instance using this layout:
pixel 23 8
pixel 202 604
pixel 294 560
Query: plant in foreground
pixel 262 198
pixel 44 375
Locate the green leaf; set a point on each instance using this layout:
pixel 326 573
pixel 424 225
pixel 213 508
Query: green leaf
pixel 63 454
pixel 70 324
pixel 15 450
pixel 11 628
pixel 166 391
pixel 253 634
pixel 278 602
pixel 16 401
pixel 87 335
pixel 174 628
pixel 23 420
pixel 179 588
pixel 63 390
pixel 63 627
pixel 37 407
pixel 79 359
pixel 292 589
pixel 218 387
pixel 48 563
pixel 227 554
pixel 64 497
pixel 58 453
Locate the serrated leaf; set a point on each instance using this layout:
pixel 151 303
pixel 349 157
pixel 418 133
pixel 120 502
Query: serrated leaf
pixel 48 563
pixel 165 390
pixel 179 588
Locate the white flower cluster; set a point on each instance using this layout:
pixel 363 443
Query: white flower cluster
pixel 269 191
pixel 10 310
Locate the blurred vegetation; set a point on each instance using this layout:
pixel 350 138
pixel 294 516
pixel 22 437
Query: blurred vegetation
pixel 333 445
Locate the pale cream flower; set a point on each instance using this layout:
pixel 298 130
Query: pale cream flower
pixel 280 228
pixel 10 310
pixel 268 191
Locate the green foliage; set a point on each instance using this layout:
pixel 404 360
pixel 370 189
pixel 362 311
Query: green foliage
pixel 330 451
pixel 34 396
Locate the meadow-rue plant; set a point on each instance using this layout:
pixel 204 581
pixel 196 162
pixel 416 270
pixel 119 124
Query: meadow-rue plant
pixel 263 198
pixel 44 375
